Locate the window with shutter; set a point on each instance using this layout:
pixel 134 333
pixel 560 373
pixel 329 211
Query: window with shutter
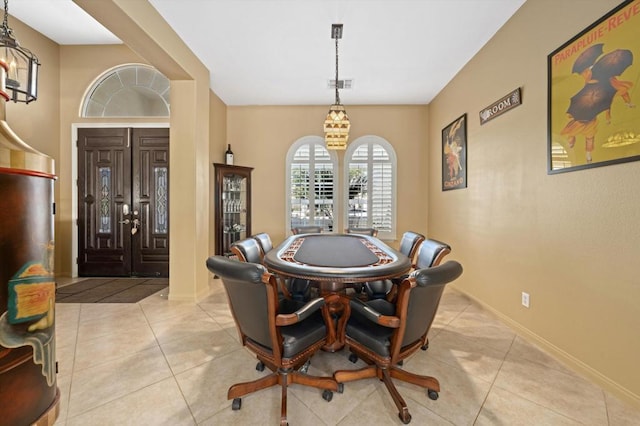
pixel 370 200
pixel 311 184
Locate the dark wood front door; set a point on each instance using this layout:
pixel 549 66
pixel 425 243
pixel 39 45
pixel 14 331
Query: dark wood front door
pixel 123 202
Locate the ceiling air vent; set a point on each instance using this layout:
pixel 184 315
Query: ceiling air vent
pixel 342 84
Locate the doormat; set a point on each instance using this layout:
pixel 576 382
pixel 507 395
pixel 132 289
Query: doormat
pixel 110 290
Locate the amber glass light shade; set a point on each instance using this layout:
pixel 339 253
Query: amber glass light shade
pixel 336 128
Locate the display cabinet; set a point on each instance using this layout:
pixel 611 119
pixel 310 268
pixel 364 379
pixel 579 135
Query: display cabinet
pixel 232 205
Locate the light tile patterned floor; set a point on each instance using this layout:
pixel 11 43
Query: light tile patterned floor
pixel 170 363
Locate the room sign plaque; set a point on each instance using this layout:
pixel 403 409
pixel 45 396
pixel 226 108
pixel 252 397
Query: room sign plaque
pixel 501 106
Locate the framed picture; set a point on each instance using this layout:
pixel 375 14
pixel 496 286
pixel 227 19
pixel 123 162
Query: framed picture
pixel 592 92
pixel 454 154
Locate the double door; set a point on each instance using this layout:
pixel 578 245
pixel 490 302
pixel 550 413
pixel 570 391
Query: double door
pixel 123 202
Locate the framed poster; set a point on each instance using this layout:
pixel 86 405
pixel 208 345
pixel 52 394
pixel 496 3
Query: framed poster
pixel 454 154
pixel 592 82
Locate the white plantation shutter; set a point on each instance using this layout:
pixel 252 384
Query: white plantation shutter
pixel 311 184
pixel 371 186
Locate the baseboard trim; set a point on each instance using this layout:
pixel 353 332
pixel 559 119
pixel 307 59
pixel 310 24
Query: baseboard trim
pixel 564 357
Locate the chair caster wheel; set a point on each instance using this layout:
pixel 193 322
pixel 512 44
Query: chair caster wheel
pixel 236 404
pixel 432 394
pixel 260 366
pixel 327 395
pixel 425 347
pixel 401 362
pixel 340 387
pixel 305 367
pixel 353 358
pixel 405 418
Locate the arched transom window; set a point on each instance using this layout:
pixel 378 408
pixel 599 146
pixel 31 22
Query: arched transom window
pixel 132 90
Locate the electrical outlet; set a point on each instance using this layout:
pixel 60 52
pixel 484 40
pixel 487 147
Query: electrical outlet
pixel 525 299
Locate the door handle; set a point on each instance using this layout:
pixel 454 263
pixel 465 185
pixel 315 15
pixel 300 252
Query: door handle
pixel 134 228
pixel 126 221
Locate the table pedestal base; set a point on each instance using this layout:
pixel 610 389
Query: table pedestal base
pixel 336 303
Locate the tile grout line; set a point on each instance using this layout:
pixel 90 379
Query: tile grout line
pixel 173 374
pixel 506 354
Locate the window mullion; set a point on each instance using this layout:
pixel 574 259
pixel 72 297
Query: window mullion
pixel 370 185
pixel 312 183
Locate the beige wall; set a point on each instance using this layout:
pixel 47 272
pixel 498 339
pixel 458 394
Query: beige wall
pixel 571 240
pixel 261 136
pixel 44 111
pixel 218 140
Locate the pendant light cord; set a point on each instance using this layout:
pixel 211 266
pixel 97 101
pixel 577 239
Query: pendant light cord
pixel 337 92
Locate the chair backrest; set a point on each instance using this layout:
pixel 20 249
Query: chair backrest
pixel 410 243
pixel 309 229
pixel 417 306
pixel 247 250
pixel 431 253
pixel 364 231
pixel 264 241
pixel 247 291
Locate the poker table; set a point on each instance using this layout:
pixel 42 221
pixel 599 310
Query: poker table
pixel 335 262
pixel 336 258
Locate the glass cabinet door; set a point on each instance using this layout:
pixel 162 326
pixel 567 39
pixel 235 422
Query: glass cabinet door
pixel 234 210
pixel 232 206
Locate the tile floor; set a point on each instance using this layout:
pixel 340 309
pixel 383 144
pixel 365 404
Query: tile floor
pixel 159 362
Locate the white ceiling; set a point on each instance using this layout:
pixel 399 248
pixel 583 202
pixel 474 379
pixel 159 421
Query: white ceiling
pixel 280 52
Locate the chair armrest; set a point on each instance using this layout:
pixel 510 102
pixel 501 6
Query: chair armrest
pixel 374 316
pixel 301 314
pixel 399 279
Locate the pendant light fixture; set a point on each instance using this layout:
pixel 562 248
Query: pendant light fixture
pixel 22 76
pixel 336 125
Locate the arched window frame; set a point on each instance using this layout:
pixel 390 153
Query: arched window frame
pixel 370 141
pixel 314 142
pixel 158 85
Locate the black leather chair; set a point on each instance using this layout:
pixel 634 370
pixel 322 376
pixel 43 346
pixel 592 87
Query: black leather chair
pixel 409 246
pixel 383 334
pixel 291 288
pixel 410 243
pixel 264 241
pixel 247 250
pixel 284 334
pixel 431 253
pixel 373 232
pixel 310 229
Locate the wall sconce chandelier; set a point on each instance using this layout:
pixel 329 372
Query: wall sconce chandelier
pixel 22 77
pixel 336 125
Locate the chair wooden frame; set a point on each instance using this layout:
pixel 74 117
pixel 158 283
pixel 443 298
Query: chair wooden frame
pixel 385 368
pixel 285 371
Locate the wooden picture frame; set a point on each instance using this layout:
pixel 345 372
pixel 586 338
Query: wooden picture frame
pixel 592 78
pixel 454 154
